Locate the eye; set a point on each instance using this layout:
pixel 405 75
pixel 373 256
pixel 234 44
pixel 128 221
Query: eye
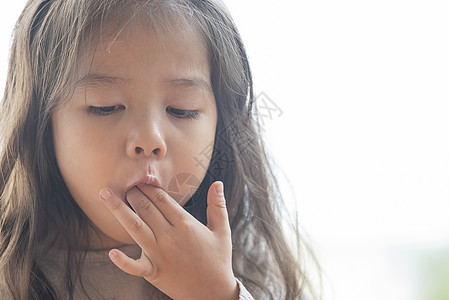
pixel 104 110
pixel 182 113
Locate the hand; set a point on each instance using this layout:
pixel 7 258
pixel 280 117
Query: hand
pixel 180 256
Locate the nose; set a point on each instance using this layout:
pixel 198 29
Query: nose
pixel 145 140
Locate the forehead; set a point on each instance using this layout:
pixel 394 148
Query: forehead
pixel 139 54
pixel 112 48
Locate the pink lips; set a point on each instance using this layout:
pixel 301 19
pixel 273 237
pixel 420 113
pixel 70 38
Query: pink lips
pixel 147 179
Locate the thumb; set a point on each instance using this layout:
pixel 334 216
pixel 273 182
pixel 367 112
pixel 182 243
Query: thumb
pixel 217 215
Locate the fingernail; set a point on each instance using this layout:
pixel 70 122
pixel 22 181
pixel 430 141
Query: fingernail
pixel 219 188
pixel 113 254
pixel 105 194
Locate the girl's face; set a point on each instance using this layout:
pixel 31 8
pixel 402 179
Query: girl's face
pixel 143 110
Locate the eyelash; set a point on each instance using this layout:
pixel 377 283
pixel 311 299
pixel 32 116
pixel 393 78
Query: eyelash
pixel 109 110
pixel 104 110
pixel 182 113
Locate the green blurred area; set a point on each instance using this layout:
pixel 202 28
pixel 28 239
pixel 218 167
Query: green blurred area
pixel 435 274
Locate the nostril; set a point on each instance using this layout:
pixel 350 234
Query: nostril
pixel 139 150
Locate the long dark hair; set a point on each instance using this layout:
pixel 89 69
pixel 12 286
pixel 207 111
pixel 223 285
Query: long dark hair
pixel 50 39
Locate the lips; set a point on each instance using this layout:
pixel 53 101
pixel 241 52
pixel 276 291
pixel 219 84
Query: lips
pixel 147 179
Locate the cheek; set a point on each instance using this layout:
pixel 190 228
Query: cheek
pixel 80 155
pixel 192 156
pixel 72 148
pixel 201 147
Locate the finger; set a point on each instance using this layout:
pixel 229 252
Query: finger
pixel 146 210
pixel 131 266
pixel 217 214
pixel 169 208
pixel 132 223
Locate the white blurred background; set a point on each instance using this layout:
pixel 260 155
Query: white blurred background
pixel 360 126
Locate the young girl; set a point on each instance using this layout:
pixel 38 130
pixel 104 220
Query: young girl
pixel 130 153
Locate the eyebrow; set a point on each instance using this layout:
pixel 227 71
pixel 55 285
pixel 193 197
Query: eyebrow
pixel 194 82
pixel 94 80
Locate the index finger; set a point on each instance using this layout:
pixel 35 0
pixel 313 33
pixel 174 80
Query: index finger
pixel 133 224
pixel 169 208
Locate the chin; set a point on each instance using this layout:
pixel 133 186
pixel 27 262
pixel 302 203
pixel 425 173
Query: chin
pixel 113 239
pixel 123 238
